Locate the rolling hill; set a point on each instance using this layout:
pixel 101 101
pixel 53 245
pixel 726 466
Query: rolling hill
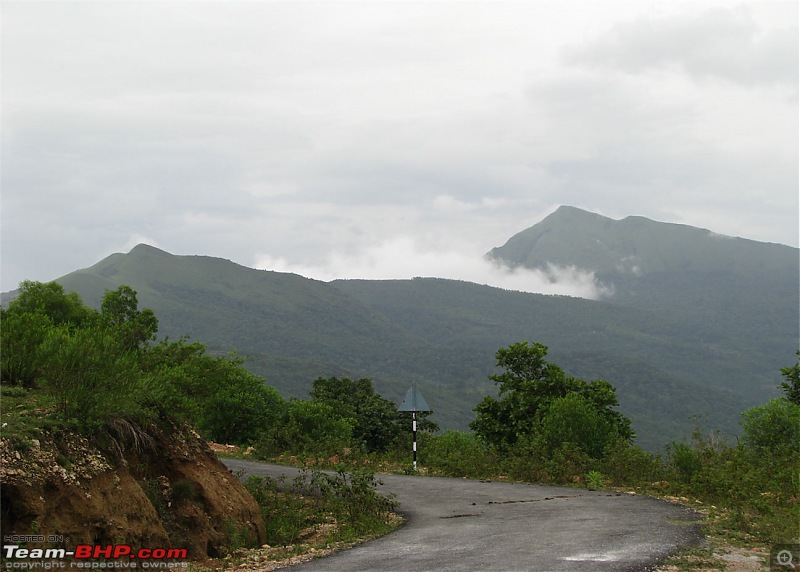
pixel 697 325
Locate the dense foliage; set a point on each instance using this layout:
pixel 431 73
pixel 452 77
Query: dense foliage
pixel 103 371
pixel 103 366
pixel 539 402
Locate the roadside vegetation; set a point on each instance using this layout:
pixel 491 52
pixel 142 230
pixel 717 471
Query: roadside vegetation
pixel 68 368
pixel 103 373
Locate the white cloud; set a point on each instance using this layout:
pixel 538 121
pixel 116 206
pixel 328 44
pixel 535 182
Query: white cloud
pixel 402 257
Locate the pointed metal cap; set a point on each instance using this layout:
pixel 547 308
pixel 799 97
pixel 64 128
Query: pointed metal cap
pixel 414 401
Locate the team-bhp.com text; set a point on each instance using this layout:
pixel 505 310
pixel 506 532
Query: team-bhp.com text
pixel 95 557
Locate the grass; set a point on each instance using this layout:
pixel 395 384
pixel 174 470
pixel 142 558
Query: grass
pixel 26 414
pixel 310 517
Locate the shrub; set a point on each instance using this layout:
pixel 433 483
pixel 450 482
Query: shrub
pixel 629 465
pixel 773 426
pixel 354 501
pixel 183 491
pixel 306 427
pixel 285 514
pixel 92 378
pixel 684 460
pixel 456 454
pixel 594 480
pixel 568 463
pixel 575 420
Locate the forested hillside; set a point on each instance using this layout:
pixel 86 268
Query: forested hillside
pixel 695 333
pixel 731 292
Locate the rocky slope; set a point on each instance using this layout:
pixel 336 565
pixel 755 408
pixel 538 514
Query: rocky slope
pixel 170 491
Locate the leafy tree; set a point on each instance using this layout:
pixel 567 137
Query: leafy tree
pixel 773 426
pixel 92 376
pixel 23 334
pixel 226 402
pixel 791 387
pixel 529 388
pixel 38 308
pixel 575 419
pixel 375 418
pixel 49 299
pixel 241 408
pixel 102 370
pixel 309 427
pixel 119 310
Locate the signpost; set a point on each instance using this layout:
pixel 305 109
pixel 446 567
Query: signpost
pixel 414 402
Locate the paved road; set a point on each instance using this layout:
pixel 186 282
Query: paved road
pixel 459 524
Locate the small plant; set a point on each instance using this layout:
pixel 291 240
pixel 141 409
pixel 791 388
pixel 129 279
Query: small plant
pixel 14 391
pixel 153 492
pixel 285 513
pixel 238 536
pixel 353 500
pixel 594 480
pixel 183 491
pixel 64 461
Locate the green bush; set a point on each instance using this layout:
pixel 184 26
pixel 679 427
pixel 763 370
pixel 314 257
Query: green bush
pixel 92 378
pixel 354 501
pixel 240 409
pixel 629 465
pixel 456 454
pixel 283 508
pixel 594 480
pixel 773 426
pixel 568 463
pixel 375 420
pixel 183 491
pixel 309 428
pixel 684 461
pixel 23 334
pixel 314 497
pixel 574 420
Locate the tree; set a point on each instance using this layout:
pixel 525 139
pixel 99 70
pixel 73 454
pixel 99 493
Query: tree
pixel 22 336
pixel 240 408
pixel 92 376
pixel 773 426
pixel 119 310
pixel 38 308
pixel 375 418
pixel 309 427
pixel 575 419
pixel 49 299
pixel 791 387
pixel 532 403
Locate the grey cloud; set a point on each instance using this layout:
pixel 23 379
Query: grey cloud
pixel 720 43
pixel 297 130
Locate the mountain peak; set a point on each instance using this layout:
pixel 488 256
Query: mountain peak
pixel 573 211
pixel 574 237
pixel 148 249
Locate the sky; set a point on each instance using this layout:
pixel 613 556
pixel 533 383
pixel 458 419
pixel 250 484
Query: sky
pixel 387 139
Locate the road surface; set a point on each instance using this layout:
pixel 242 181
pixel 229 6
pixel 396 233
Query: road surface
pixel 470 525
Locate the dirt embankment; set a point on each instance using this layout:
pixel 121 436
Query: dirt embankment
pixel 167 491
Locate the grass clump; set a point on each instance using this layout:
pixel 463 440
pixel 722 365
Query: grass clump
pixel 346 505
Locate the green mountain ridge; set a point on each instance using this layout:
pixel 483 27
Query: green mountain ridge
pixel 676 344
pixel 636 245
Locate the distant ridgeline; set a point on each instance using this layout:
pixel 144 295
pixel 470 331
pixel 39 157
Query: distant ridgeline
pixel 695 330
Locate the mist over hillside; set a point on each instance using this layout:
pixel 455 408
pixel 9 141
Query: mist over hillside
pixel 692 325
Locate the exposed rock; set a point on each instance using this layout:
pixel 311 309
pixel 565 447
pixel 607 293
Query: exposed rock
pixel 171 492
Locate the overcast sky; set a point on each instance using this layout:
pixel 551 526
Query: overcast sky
pixel 382 139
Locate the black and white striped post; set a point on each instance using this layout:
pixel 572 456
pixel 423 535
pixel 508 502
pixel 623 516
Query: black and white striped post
pixel 414 402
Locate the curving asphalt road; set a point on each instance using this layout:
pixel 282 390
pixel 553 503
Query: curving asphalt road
pixel 459 524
